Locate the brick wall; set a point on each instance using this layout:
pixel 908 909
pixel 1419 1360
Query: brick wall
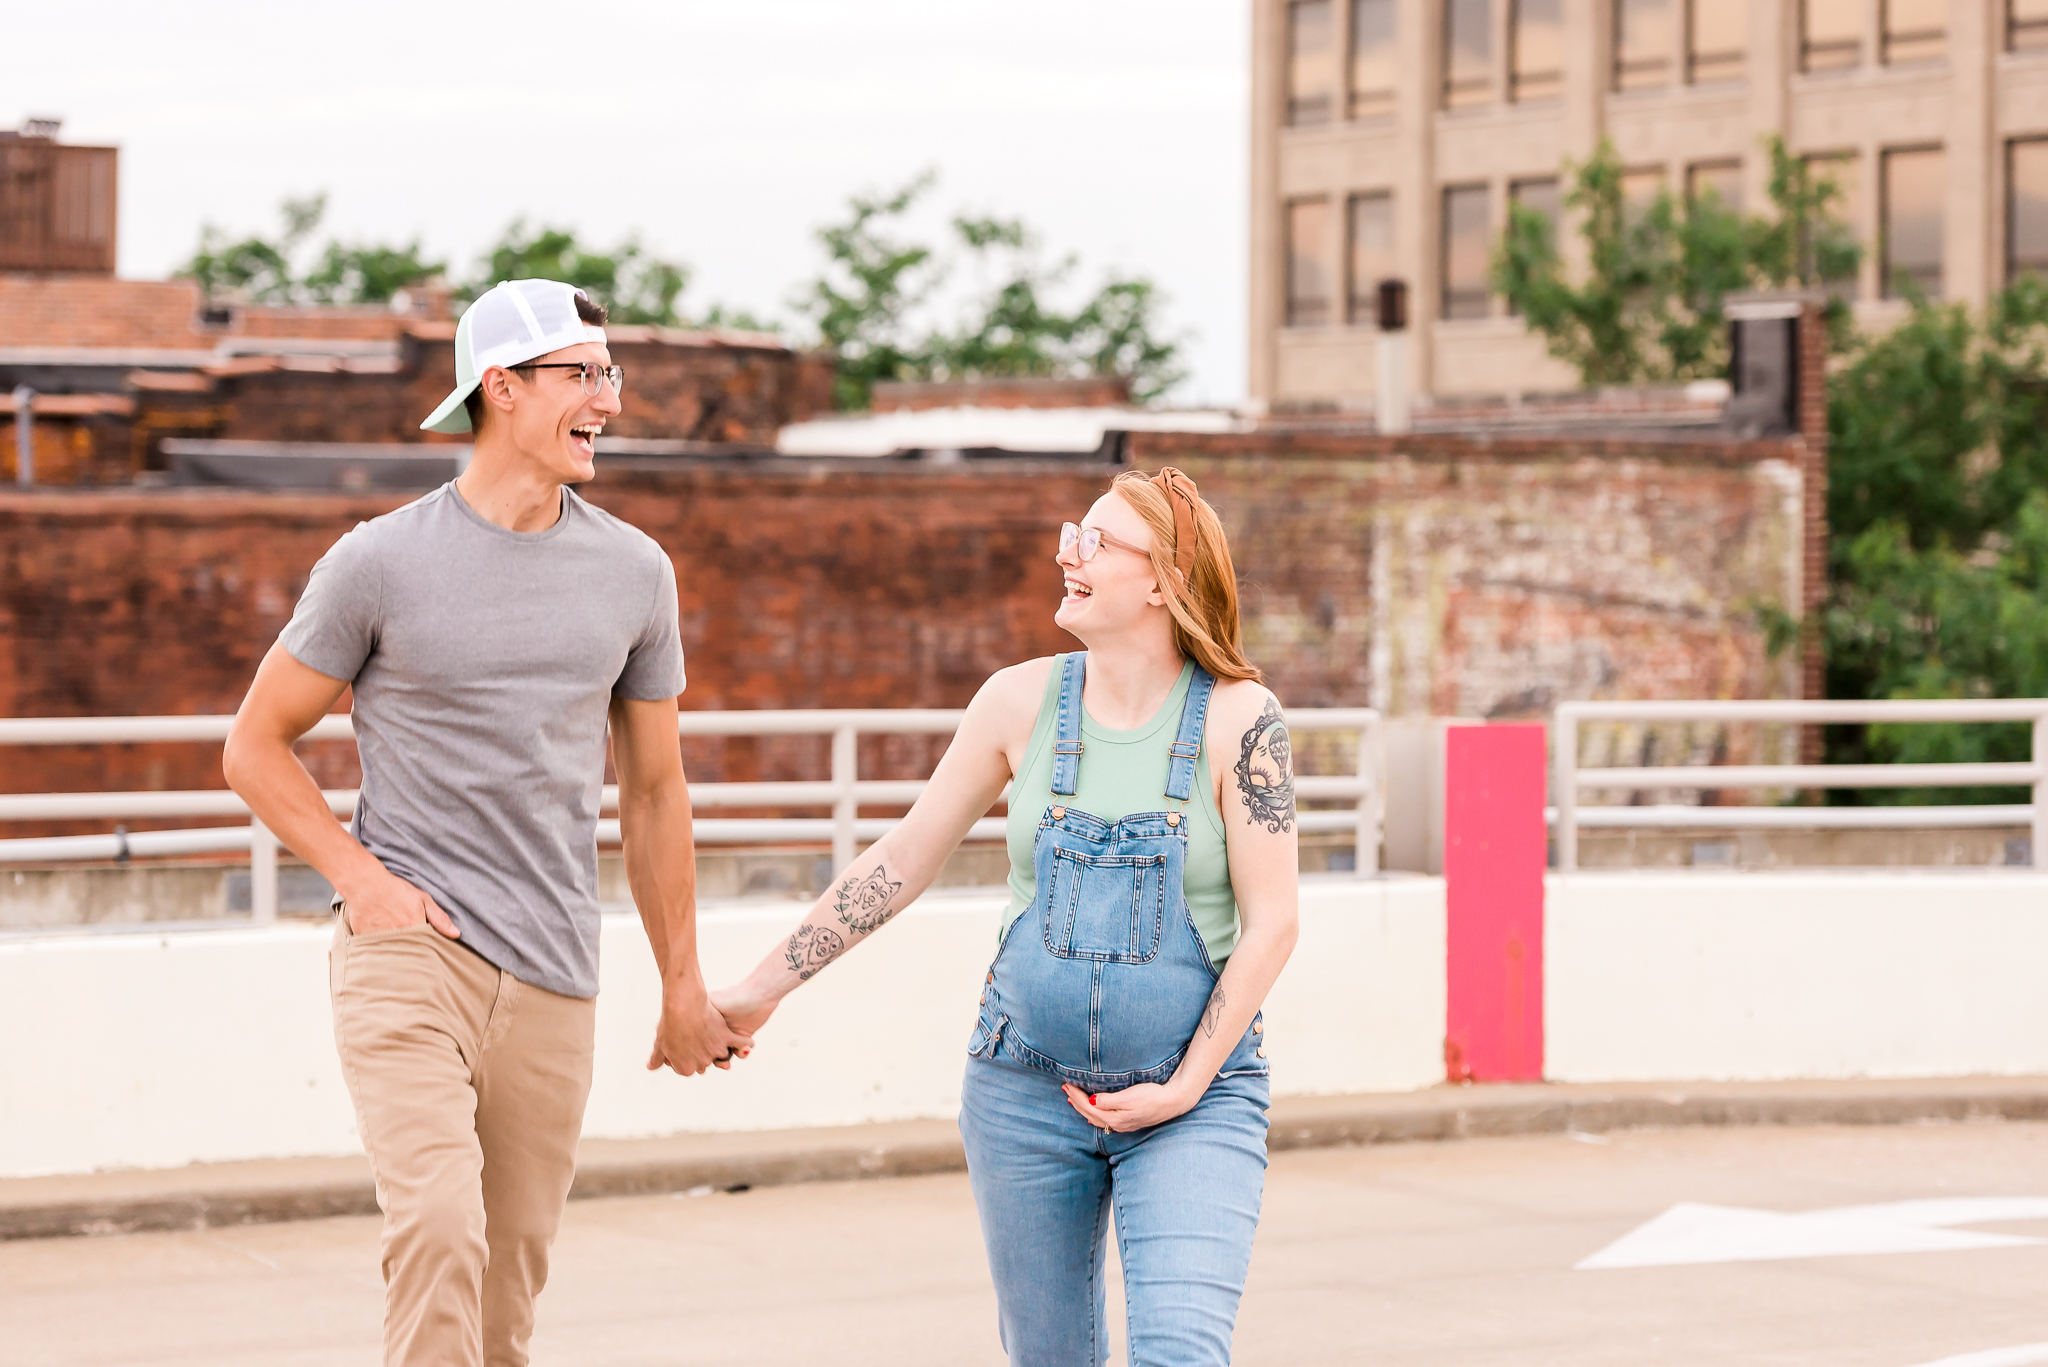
pixel 1428 574
pixel 1090 391
pixel 98 311
pixel 1495 577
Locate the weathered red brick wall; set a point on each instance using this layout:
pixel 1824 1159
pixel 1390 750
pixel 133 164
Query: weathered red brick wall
pixel 1027 391
pixel 1497 576
pixel 687 390
pixel 98 311
pixel 1422 574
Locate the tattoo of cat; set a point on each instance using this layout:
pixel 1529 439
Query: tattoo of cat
pixel 811 948
pixel 1265 771
pixel 863 905
pixel 1213 1012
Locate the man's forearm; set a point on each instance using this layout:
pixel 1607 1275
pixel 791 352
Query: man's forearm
pixel 661 870
pixel 284 797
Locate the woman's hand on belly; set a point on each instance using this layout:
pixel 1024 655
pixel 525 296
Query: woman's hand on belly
pixel 1134 1108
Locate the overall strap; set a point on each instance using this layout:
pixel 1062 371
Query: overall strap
pixel 1066 736
pixel 1194 715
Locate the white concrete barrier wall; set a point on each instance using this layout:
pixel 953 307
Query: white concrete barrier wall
pixel 157 1050
pixel 1756 976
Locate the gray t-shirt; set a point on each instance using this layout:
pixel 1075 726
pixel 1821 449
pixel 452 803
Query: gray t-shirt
pixel 484 662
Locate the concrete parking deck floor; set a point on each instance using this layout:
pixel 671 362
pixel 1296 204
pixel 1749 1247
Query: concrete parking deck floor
pixel 1450 1254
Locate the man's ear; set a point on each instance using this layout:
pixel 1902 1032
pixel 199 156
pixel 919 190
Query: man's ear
pixel 496 387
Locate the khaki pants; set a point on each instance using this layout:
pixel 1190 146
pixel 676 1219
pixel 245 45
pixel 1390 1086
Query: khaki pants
pixel 469 1088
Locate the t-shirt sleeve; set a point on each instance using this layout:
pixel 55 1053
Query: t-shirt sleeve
pixel 654 665
pixel 336 623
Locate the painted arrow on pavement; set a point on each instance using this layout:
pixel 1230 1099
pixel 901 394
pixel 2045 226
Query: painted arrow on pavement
pixel 1692 1233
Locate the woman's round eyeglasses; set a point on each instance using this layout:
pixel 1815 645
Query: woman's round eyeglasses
pixel 591 373
pixel 1083 542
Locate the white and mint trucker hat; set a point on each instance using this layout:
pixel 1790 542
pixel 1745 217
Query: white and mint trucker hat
pixel 513 321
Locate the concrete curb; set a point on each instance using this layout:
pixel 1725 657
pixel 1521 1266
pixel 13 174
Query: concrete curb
pixel 211 1195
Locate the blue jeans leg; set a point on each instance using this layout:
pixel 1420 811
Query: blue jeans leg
pixel 1041 1184
pixel 1187 1206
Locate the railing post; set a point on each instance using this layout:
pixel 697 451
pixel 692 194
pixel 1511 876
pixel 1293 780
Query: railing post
pixel 2037 854
pixel 1564 735
pixel 1367 861
pixel 262 873
pixel 845 806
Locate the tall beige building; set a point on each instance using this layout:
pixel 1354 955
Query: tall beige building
pixel 1390 136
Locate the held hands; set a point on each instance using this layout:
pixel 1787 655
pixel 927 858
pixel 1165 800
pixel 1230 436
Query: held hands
pixel 1134 1108
pixel 388 902
pixel 692 1035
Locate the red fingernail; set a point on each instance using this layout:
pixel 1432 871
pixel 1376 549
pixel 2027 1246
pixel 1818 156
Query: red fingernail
pixel 1091 1098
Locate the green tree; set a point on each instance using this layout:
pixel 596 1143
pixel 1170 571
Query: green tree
pixel 257 268
pixel 1938 462
pixel 368 274
pixel 866 305
pixel 1650 305
pixel 633 285
pixel 871 281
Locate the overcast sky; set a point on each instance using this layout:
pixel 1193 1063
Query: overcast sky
pixel 722 133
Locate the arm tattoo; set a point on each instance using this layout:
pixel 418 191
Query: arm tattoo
pixel 863 904
pixel 1213 1012
pixel 811 948
pixel 1265 771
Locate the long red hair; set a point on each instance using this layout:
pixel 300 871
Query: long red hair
pixel 1203 601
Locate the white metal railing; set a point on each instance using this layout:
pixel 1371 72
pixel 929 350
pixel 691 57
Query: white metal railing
pixel 1571 779
pixel 845 792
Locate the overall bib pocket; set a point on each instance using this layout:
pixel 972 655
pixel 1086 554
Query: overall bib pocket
pixel 1106 907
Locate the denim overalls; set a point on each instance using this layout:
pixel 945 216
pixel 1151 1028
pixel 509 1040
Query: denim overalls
pixel 1102 982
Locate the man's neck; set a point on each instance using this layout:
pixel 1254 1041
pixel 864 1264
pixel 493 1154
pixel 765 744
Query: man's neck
pixel 508 491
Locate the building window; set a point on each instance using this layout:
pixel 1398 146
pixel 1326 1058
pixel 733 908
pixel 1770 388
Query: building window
pixel 1536 50
pixel 1372 59
pixel 1841 169
pixel 1718 181
pixel 1371 234
pixel 1713 41
pixel 1541 196
pixel 1914 31
pixel 1642 44
pixel 1309 39
pixel 1308 274
pixel 1468 53
pixel 2026 209
pixel 1466 210
pixel 1911 232
pixel 1640 187
pixel 2026 25
pixel 1830 35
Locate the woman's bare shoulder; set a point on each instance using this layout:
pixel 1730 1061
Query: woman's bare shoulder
pixel 1240 705
pixel 1019 685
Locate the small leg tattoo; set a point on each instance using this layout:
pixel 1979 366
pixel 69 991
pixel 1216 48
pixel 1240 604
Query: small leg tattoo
pixel 863 905
pixel 811 948
pixel 1213 1012
pixel 1265 771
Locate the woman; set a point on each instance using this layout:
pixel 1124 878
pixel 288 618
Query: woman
pixel 1119 1056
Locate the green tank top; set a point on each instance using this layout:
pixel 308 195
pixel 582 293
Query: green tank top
pixel 1124 772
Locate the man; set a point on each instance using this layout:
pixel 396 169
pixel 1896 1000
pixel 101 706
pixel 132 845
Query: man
pixel 490 631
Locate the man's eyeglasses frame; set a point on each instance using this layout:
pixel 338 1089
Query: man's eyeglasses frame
pixel 593 375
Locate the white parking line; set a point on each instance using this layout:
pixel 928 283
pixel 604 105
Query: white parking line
pixel 1692 1233
pixel 2024 1355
